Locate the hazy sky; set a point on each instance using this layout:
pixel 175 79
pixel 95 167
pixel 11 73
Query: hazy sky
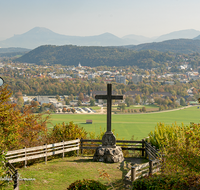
pixel 93 17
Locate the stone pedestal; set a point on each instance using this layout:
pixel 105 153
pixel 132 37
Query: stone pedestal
pixel 108 151
pixel 108 154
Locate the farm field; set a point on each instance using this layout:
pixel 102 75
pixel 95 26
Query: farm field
pixel 128 125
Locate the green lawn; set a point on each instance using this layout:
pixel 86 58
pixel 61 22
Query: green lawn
pixel 127 125
pixel 58 174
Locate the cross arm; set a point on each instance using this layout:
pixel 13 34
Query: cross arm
pixel 117 97
pixel 101 97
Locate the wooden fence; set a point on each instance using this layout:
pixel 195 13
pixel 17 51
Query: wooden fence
pixel 125 145
pixel 151 151
pixel 138 171
pixel 37 152
pixel 13 173
pixel 154 165
pixel 26 154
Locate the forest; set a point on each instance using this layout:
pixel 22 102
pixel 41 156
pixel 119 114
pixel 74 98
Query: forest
pixel 95 56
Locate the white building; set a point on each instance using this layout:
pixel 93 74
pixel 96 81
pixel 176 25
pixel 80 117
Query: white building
pixel 120 79
pixel 136 79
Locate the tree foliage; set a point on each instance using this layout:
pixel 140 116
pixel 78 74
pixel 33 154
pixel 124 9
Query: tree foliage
pixel 180 144
pixel 19 129
pixel 94 56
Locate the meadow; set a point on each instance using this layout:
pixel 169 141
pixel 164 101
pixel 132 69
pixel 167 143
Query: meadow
pixel 128 125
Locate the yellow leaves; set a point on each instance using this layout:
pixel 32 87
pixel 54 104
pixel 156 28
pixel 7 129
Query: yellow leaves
pixel 66 131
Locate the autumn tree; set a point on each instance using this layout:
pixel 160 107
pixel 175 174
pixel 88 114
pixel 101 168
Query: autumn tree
pixel 58 97
pixel 92 102
pixel 137 99
pixel 129 101
pixel 182 102
pixel 81 97
pixel 19 129
pixel 64 109
pixel 144 109
pixel 67 101
pixel 79 103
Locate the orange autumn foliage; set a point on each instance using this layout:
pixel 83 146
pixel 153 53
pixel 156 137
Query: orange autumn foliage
pixel 18 129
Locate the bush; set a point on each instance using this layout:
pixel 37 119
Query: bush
pixel 144 109
pixel 87 184
pixel 66 131
pixel 175 182
pixel 181 146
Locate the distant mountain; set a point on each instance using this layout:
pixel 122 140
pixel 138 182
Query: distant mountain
pixel 197 38
pixel 137 39
pixel 42 36
pixel 176 46
pixel 187 34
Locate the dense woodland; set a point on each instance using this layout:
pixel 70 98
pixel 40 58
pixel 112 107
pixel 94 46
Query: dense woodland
pixel 95 56
pixel 185 46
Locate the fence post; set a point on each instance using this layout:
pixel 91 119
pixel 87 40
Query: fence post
pixel 146 151
pixel 45 154
pixel 25 161
pixel 150 167
pixel 133 173
pixel 163 162
pixel 78 147
pixel 142 147
pixel 63 149
pixel 16 181
pixel 81 146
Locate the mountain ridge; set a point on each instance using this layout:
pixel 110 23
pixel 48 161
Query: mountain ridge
pixel 43 36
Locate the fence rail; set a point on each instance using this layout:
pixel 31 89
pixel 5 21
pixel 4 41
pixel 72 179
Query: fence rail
pixel 26 154
pixel 125 145
pixel 151 151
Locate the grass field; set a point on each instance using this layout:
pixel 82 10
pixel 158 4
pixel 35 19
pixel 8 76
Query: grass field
pixel 127 125
pixel 58 174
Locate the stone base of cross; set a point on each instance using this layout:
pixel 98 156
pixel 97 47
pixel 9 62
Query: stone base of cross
pixel 109 139
pixel 108 151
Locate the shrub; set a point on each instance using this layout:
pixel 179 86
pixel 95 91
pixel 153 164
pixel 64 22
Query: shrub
pixel 176 182
pixel 144 109
pixel 3 171
pixel 181 146
pixel 87 184
pixel 66 132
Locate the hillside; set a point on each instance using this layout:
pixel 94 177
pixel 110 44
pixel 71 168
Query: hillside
pixel 94 56
pixel 176 46
pixel 11 52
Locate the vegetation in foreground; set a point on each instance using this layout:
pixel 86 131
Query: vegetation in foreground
pixel 180 146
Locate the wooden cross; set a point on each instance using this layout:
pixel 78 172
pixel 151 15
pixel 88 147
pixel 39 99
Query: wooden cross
pixel 109 97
